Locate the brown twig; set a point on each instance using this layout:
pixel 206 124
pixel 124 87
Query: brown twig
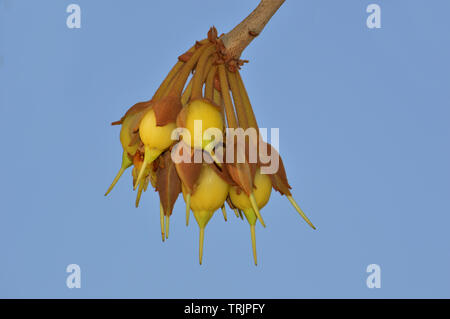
pixel 240 37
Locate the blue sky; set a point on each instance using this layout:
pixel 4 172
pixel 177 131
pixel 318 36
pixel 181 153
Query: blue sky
pixel 364 135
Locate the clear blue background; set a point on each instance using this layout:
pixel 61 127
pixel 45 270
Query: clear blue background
pixel 364 118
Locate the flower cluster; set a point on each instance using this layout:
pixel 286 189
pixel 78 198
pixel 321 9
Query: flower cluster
pixel 203 87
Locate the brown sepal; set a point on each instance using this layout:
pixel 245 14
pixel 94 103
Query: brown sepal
pixel 132 110
pixel 189 172
pixel 241 174
pixel 212 34
pixel 167 109
pixel 185 56
pixel 279 179
pixel 181 117
pixel 168 183
pixel 221 171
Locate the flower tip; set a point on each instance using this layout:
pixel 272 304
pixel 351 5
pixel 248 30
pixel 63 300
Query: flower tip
pixel 299 210
pixel 256 209
pixel 167 221
pixel 252 232
pixel 188 208
pixel 161 216
pixel 200 252
pixel 224 212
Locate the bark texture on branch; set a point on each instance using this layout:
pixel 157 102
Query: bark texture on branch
pixel 240 37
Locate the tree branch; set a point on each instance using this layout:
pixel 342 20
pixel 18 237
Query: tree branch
pixel 240 37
